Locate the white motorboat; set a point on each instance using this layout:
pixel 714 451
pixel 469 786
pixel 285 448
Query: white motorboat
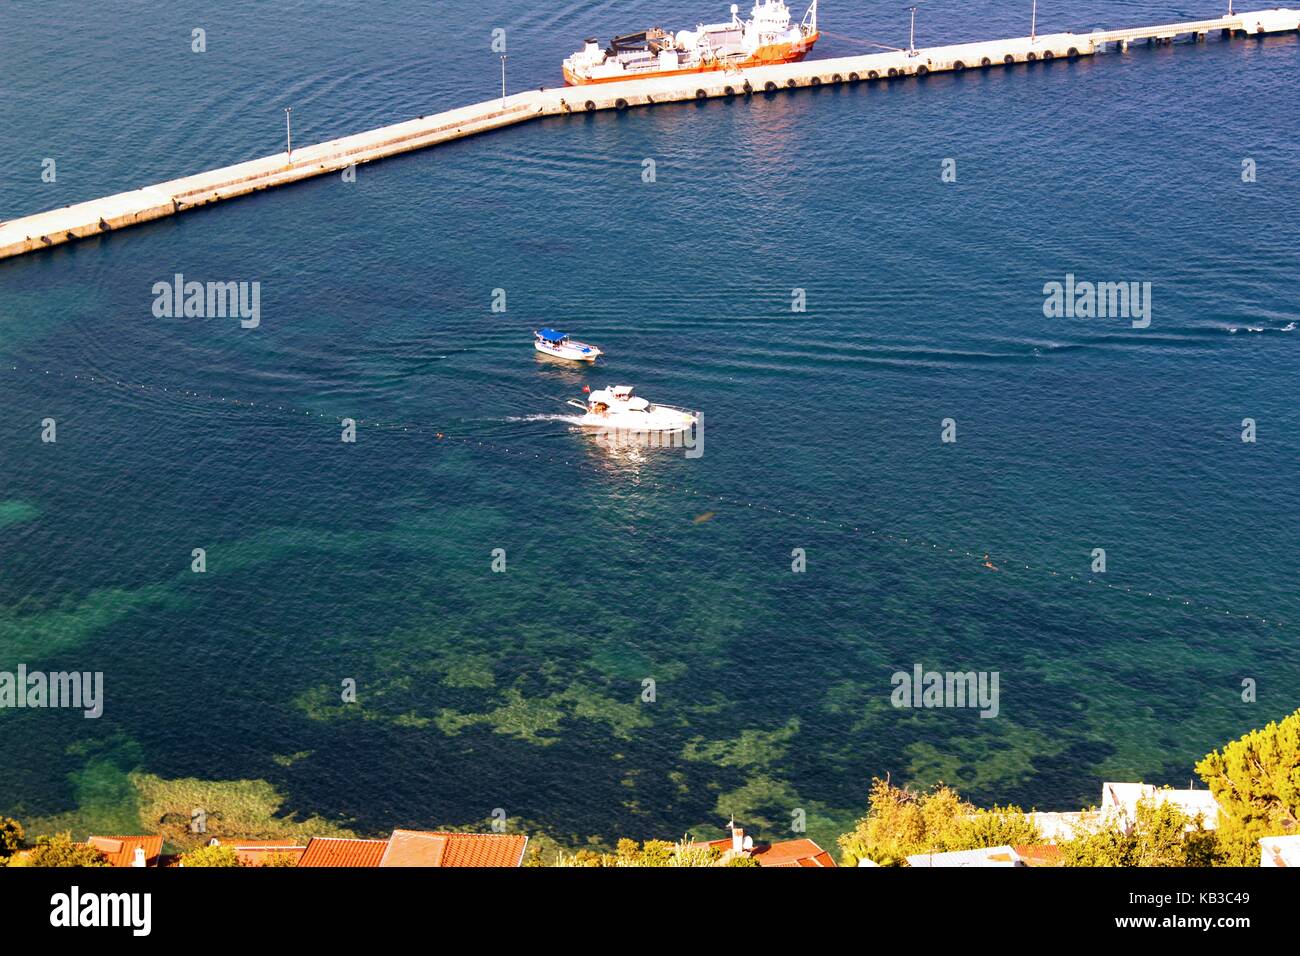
pixel 559 345
pixel 615 407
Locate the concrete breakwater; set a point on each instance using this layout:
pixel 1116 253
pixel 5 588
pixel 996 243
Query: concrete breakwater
pixel 95 217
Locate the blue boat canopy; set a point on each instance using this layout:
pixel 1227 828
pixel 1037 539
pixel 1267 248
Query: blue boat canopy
pixel 550 335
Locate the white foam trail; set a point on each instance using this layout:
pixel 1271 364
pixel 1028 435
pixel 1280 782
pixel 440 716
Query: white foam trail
pixel 571 419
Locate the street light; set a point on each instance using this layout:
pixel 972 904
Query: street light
pixel 1033 23
pixel 911 42
pixel 503 80
pixel 288 134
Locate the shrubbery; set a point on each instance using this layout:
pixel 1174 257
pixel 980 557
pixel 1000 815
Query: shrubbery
pixel 1161 835
pixel 59 850
pixel 650 853
pixel 1256 780
pixel 11 837
pixel 218 855
pixel 903 822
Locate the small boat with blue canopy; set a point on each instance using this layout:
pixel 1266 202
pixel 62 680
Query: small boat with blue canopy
pixel 559 345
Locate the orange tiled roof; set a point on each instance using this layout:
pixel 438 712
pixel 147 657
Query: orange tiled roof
pixel 804 853
pixel 430 848
pixel 410 848
pixel 418 848
pixel 792 853
pixel 334 851
pixel 262 856
pixel 1045 855
pixel 258 852
pixel 120 850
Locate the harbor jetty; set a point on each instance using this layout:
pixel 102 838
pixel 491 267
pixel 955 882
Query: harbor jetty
pixel 98 216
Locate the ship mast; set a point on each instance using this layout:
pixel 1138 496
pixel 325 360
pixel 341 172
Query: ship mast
pixel 810 18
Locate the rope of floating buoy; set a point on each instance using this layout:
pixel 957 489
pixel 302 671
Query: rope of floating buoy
pixel 468 440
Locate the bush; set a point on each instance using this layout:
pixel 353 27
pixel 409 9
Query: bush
pixel 11 837
pixel 902 822
pixel 218 855
pixel 59 850
pixel 1256 780
pixel 652 853
pixel 1161 835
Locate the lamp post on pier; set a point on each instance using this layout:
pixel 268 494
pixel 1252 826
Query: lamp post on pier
pixel 1033 23
pixel 288 134
pixel 911 39
pixel 503 80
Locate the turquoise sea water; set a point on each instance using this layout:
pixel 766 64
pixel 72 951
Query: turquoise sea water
pixel 523 690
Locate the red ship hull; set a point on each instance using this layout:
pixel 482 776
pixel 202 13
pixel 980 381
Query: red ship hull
pixel 764 56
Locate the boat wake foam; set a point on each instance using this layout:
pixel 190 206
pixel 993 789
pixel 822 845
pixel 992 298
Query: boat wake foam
pixel 571 419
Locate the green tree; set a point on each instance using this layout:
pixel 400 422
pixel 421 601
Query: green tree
pixel 901 822
pixel 219 855
pixel 1000 826
pixel 1256 780
pixel 11 837
pixel 652 853
pixel 583 858
pixel 59 850
pixel 1161 835
pixel 894 824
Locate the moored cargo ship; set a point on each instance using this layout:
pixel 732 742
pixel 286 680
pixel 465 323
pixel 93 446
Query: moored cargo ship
pixel 768 36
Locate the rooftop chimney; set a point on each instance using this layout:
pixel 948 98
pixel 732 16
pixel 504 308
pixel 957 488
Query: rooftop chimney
pixel 737 839
pixel 137 858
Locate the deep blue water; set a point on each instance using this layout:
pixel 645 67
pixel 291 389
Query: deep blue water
pixel 522 690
